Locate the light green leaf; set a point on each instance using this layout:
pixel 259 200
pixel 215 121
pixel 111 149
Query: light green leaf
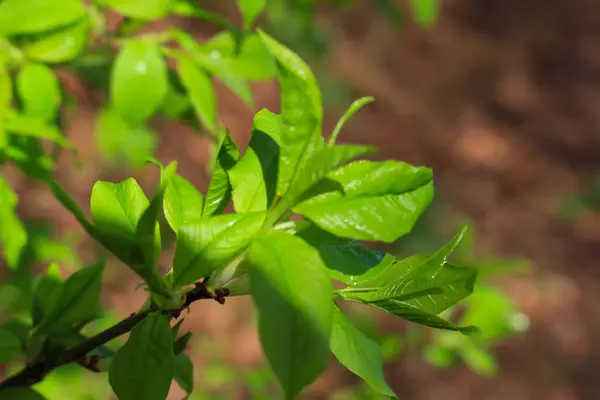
pixel 219 189
pixel 144 367
pixel 354 107
pixel 75 301
pixel 59 46
pixel 355 351
pixel 31 16
pixel 365 200
pixel 138 81
pixel 346 259
pixel 10 346
pixel 254 177
pixel 13 235
pixel 200 90
pixel 119 142
pixel 293 294
pixel 146 10
pixel 250 10
pixel 24 125
pixel 39 91
pixel 301 112
pixel 183 202
pixel 20 394
pixel 184 373
pixel 425 12
pixel 207 244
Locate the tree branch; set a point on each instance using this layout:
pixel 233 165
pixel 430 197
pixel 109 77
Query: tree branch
pixel 36 372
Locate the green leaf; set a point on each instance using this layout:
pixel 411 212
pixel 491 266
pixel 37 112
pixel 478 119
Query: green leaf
pixel 250 10
pixel 184 373
pixel 59 46
pixel 39 91
pixel 10 346
pixel 13 235
pixel 181 343
pixel 144 367
pixel 20 394
pixel 119 142
pixel 27 153
pixel 254 177
pixel 183 202
pixel 346 259
pixel 200 90
pixel 425 12
pixel 358 353
pixel 31 16
pixel 207 244
pixel 219 189
pixel 139 81
pixel 75 301
pixel 47 292
pixel 24 125
pixel 301 112
pixel 6 92
pixel 365 200
pixel 146 10
pixel 250 60
pixel 293 294
pixel 354 107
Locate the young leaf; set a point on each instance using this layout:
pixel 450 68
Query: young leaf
pixel 346 259
pixel 59 46
pixel 293 293
pixel 200 90
pixel 35 127
pixel 144 367
pixel 354 107
pixel 182 203
pixel 142 9
pixel 13 235
pixel 355 351
pixel 301 111
pixel 75 301
pixel 425 12
pixel 20 394
pixel 254 177
pixel 39 91
pixel 365 200
pixel 219 189
pixel 250 10
pixel 184 373
pixel 10 346
pixel 139 68
pixel 207 244
pixel 31 16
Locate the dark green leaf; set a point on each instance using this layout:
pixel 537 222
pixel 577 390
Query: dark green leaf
pixel 184 373
pixel 183 202
pixel 301 112
pixel 367 200
pixel 181 343
pixel 30 16
pixel 254 177
pixel 219 189
pixel 139 81
pixel 207 244
pixel 293 293
pixel 200 90
pixel 61 45
pixel 144 367
pixel 250 10
pixel 47 292
pixel 13 235
pixel 147 10
pixel 119 142
pixel 39 91
pixel 20 394
pixel 10 346
pixel 75 301
pixel 27 153
pixel 355 351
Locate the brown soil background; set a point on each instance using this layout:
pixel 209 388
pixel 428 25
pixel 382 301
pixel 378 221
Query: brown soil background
pixel 502 99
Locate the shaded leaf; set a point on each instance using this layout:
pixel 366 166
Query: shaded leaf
pixel 219 189
pixel 10 346
pixel 20 394
pixel 184 373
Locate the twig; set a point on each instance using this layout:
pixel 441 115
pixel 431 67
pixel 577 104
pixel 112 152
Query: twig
pixel 36 372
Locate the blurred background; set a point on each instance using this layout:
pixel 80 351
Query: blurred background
pixel 500 98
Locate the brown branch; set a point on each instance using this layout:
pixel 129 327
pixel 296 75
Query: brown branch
pixel 34 373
